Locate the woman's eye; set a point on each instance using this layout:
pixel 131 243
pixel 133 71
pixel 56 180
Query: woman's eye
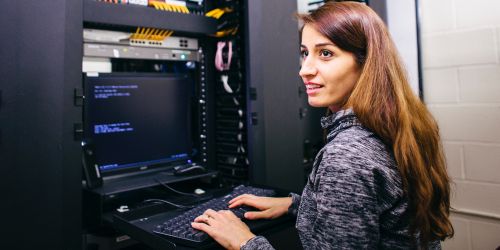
pixel 326 53
pixel 304 53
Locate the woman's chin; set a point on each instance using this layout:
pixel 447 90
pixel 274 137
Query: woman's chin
pixel 316 104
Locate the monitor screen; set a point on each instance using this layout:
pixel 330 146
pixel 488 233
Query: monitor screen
pixel 135 122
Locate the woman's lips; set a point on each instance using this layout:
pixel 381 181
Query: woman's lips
pixel 312 88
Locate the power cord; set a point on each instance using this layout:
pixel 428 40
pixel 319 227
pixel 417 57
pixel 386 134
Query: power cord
pixel 174 190
pixel 166 202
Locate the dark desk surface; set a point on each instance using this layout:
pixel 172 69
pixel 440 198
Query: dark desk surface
pixel 140 227
pixel 140 222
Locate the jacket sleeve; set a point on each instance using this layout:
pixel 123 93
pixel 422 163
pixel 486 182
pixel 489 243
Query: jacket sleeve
pixel 261 243
pixel 257 243
pixel 294 207
pixel 348 195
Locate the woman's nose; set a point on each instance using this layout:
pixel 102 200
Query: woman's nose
pixel 307 68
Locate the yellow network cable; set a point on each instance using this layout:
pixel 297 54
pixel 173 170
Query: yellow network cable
pixel 151 34
pixel 180 8
pixel 136 34
pixel 160 36
pixel 217 13
pixel 226 32
pixel 213 13
pixel 142 33
pixel 154 35
pixel 169 33
pixel 166 7
pixel 155 4
pixel 169 7
pixel 148 35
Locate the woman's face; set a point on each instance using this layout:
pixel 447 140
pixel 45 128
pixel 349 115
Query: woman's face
pixel 328 72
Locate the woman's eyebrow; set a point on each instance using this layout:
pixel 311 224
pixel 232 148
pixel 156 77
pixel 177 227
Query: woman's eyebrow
pixel 323 44
pixel 319 45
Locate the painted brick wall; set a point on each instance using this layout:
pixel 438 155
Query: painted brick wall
pixel 461 61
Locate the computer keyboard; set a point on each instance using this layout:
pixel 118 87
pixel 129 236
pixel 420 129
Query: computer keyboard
pixel 178 229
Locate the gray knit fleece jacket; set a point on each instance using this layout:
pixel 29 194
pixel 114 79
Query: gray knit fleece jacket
pixel 354 197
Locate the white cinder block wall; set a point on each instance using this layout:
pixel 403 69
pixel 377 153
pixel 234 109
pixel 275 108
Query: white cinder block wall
pixel 461 80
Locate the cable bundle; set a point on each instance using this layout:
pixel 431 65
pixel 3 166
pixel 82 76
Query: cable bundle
pixel 158 35
pixel 217 14
pixel 169 6
pixel 230 106
pixel 150 34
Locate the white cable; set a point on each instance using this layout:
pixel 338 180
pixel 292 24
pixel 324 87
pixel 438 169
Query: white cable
pixel 236 101
pixel 225 84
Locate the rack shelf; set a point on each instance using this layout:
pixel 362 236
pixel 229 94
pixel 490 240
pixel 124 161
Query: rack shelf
pixel 140 16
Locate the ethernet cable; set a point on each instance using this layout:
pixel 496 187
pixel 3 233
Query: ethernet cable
pixel 217 13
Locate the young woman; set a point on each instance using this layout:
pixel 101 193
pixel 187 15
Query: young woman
pixel 380 182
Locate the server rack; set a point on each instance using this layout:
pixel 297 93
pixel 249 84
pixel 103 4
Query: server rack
pixel 40 133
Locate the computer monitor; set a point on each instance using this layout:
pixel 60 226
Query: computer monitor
pixel 136 122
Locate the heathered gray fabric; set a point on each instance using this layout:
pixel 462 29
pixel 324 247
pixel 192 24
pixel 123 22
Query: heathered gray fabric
pixel 354 197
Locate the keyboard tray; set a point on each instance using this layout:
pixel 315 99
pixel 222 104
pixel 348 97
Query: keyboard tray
pixel 140 223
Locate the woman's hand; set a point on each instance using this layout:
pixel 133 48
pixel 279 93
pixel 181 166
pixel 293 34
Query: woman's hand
pixel 270 208
pixel 224 227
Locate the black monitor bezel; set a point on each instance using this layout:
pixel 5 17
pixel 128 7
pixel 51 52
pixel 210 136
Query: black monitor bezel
pixel 161 164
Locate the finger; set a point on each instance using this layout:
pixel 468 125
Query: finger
pixel 198 219
pixel 240 197
pixel 251 201
pixel 211 213
pixel 202 218
pixel 240 202
pixel 202 227
pixel 257 215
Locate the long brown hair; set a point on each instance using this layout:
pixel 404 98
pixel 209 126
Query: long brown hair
pixel 384 102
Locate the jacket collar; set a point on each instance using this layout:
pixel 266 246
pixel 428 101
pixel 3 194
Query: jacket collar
pixel 339 121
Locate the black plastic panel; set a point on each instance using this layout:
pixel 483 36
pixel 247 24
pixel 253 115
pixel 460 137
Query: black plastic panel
pixel 40 163
pixel 121 185
pixel 275 135
pixel 141 16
